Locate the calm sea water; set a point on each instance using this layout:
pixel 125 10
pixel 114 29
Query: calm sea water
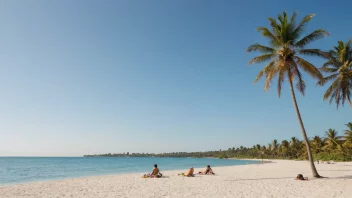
pixel 27 169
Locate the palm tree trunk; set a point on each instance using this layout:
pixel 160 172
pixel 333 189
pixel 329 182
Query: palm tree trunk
pixel 310 157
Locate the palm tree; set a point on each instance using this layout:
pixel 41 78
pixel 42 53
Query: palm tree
pixel 294 146
pixel 285 62
pixel 293 141
pixel 275 146
pixel 284 147
pixel 317 144
pixel 339 66
pixel 348 135
pixel 331 139
pixel 270 147
pixel 257 147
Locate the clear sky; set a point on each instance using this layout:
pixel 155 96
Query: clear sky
pixel 83 77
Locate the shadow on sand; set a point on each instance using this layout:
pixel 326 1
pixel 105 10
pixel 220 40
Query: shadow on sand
pixel 335 170
pixel 260 179
pixel 342 177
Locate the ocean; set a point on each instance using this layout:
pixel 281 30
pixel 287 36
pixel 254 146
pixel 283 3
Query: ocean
pixel 14 170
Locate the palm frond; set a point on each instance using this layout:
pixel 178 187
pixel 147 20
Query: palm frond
pixel 282 17
pixel 299 29
pixel 345 93
pixel 295 73
pixel 330 90
pixel 349 43
pixel 309 68
pixel 274 27
pixel 261 58
pixel 271 75
pixel 280 81
pixel 315 35
pixel 293 18
pixel 265 70
pixel 301 85
pixel 260 48
pixel 268 34
pixel 314 52
pixel 337 95
pixel 350 64
pixel 349 130
pixel 332 63
pixel 329 70
pixel 326 79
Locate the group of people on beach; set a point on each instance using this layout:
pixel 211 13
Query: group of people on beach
pixel 156 172
pixel 208 171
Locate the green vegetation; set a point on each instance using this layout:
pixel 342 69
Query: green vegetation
pixel 332 147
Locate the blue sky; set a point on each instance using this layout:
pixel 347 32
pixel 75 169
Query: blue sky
pixel 82 77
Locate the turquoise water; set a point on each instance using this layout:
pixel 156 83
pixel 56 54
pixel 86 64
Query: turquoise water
pixel 15 170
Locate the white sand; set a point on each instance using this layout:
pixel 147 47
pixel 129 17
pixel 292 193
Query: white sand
pixel 266 180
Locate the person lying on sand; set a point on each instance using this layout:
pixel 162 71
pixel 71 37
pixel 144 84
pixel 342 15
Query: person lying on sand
pixel 208 171
pixel 300 177
pixel 155 173
pixel 189 173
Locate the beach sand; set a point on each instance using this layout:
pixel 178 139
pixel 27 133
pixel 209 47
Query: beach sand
pixel 274 179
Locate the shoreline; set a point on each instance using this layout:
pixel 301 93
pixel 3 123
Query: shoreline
pixel 121 174
pixel 273 178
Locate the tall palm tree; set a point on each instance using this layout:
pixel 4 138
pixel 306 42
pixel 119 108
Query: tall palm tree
pixel 286 46
pixel 348 135
pixel 339 66
pixel 331 139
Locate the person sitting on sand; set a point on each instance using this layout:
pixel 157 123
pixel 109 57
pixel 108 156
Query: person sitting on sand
pixel 300 177
pixel 208 171
pixel 156 172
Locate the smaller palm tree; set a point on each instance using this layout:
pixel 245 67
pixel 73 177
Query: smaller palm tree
pixel 293 145
pixel 348 135
pixel 269 149
pixel 257 147
pixel 275 146
pixel 339 66
pixel 331 139
pixel 284 147
pixel 317 144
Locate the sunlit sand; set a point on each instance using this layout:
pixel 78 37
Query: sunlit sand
pixel 274 179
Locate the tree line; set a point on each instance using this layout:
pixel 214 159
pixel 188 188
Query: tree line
pixel 330 147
